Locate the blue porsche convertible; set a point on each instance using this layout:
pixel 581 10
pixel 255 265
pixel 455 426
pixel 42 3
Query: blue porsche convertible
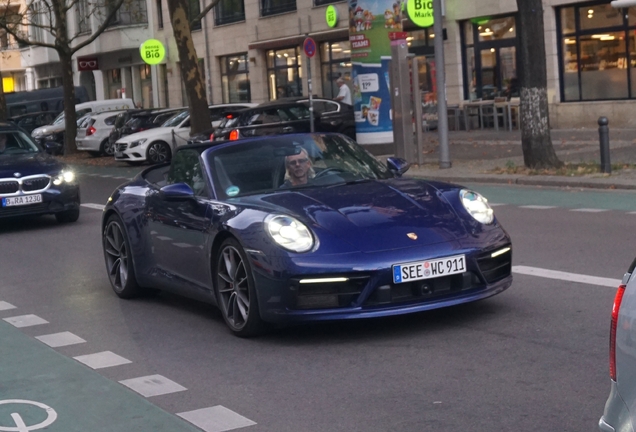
pixel 301 228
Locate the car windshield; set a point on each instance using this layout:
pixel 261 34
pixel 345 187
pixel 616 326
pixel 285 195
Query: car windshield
pixel 294 161
pixel 176 120
pixel 16 143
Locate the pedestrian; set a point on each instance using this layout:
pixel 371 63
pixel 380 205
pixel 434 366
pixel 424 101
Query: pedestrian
pixel 344 94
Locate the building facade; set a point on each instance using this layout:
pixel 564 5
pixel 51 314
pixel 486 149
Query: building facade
pixel 12 72
pixel 251 51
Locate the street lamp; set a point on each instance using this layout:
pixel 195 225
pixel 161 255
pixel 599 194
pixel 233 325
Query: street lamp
pixel 623 3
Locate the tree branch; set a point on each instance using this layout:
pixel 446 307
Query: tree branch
pixel 204 11
pixel 100 29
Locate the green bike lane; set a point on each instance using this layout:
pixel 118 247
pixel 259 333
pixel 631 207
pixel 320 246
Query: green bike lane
pixel 82 399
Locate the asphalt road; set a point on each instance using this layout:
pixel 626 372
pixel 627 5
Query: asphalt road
pixel 532 358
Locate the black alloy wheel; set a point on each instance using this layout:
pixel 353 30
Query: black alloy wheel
pixel 235 290
pixel 158 152
pixel 118 259
pixel 107 148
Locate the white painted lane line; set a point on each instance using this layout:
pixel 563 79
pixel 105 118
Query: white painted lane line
pixel 25 321
pixel 102 360
pixel 570 277
pixel 216 419
pixel 589 210
pixel 6 306
pixel 496 204
pixel 94 206
pixel 60 339
pixel 153 385
pixel 537 207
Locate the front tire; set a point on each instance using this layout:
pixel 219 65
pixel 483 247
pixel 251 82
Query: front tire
pixel 68 216
pixel 235 290
pixel 107 148
pixel 158 152
pixel 118 257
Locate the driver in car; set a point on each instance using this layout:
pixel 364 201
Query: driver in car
pixel 299 169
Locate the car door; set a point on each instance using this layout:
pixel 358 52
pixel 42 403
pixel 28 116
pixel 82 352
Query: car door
pixel 179 228
pixel 262 122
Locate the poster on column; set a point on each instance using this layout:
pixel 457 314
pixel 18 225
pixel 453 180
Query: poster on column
pixel 370 22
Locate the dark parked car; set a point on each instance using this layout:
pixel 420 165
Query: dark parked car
pixel 30 121
pixel 121 120
pixel 285 116
pixel 33 182
pixel 305 227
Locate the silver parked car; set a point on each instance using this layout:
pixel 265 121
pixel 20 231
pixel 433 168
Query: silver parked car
pixel 93 132
pixel 620 408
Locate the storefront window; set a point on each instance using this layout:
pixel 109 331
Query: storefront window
pixel 284 73
pixel 229 11
pixel 235 78
pixel 497 28
pixel 336 63
pixel 594 61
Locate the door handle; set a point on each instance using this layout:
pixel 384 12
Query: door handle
pixel 288 129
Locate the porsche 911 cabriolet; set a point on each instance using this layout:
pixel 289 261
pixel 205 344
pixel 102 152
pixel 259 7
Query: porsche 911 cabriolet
pixel 297 228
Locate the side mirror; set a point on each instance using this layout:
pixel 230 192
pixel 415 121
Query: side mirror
pixel 177 192
pixel 398 165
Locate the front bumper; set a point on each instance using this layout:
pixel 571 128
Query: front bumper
pixel 54 200
pixel 135 154
pixel 87 144
pixel 616 416
pixel 369 290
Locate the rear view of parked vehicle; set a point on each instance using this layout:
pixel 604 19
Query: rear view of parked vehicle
pixel 619 414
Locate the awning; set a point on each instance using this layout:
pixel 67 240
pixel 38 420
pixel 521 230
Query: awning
pixel 285 42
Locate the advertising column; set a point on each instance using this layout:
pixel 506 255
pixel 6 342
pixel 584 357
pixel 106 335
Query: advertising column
pixel 370 22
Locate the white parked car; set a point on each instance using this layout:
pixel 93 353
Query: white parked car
pixel 157 145
pixel 93 133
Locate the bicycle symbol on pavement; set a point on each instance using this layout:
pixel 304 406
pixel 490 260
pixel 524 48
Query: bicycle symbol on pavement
pixel 20 426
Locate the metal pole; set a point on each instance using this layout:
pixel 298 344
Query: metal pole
pixel 603 134
pixel 417 110
pixel 311 96
pixel 440 69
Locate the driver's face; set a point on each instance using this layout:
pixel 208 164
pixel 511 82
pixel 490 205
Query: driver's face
pixel 298 168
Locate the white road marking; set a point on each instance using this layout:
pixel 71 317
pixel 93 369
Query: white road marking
pixel 537 207
pixel 25 321
pixel 94 206
pixel 589 210
pixel 153 385
pixel 60 339
pixel 216 419
pixel 6 306
pixel 570 277
pixel 496 204
pixel 102 360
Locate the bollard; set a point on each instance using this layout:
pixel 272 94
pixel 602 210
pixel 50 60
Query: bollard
pixel 603 134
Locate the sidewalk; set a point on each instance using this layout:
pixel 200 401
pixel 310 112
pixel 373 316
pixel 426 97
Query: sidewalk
pixel 475 154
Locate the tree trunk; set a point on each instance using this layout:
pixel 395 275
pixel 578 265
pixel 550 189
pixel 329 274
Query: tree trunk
pixel 188 62
pixel 3 102
pixel 70 117
pixel 538 151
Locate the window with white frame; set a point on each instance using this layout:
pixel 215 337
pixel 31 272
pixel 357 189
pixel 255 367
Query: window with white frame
pixel 82 16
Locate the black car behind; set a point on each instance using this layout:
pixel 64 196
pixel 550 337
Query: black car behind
pixel 128 123
pixel 33 182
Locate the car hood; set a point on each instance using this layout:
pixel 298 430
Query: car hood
pixel 375 215
pixel 147 134
pixel 48 129
pixel 28 164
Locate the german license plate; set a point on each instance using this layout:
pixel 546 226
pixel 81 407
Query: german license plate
pixel 429 269
pixel 21 200
pixel 119 154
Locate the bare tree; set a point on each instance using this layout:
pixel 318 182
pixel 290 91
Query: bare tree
pixel 189 62
pixel 536 142
pixel 51 17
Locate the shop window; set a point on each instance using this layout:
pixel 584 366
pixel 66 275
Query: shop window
pixel 273 7
pixel 229 11
pixel 284 73
pixel 325 2
pixel 497 29
pixel 593 52
pixel 336 63
pixel 235 78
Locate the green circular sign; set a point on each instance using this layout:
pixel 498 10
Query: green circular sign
pixel 421 12
pixel 331 16
pixel 152 51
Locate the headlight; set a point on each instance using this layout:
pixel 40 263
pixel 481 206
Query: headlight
pixel 64 177
pixel 137 143
pixel 477 206
pixel 289 233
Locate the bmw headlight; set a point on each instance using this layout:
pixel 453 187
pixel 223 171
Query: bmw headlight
pixel 477 206
pixel 289 233
pixel 65 176
pixel 137 143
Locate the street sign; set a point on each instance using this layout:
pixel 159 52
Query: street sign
pixel 421 12
pixel 309 46
pixel 331 16
pixel 152 51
